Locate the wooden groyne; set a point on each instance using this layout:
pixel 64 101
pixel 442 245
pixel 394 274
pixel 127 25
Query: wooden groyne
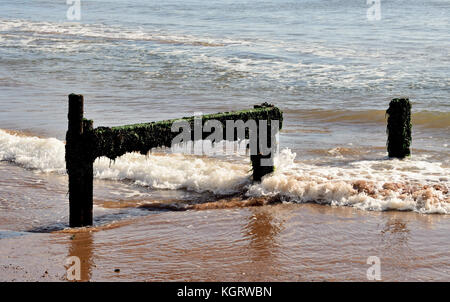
pixel 84 144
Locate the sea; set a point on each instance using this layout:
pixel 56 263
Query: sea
pixel 335 199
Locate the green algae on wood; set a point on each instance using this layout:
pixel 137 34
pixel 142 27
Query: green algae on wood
pixel 399 128
pixel 84 144
pixel 113 142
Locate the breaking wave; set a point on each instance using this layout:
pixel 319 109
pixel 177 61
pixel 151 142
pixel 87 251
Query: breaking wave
pixel 379 184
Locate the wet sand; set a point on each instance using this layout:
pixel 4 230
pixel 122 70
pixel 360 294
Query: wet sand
pixel 284 242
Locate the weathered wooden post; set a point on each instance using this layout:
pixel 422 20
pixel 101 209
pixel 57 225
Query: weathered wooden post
pixel 79 164
pixel 263 164
pixel 399 128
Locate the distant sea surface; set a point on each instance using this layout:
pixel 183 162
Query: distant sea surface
pixel 324 63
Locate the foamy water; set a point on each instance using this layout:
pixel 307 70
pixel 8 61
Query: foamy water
pixel 379 184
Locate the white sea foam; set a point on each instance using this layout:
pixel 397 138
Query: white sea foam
pixel 175 171
pixel 30 30
pixel 44 154
pixel 414 185
pixel 161 171
pixel 379 184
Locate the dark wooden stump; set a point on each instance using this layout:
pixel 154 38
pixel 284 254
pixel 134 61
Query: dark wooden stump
pixel 259 169
pixel 79 165
pixel 399 128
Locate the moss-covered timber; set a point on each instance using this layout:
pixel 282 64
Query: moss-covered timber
pixel 399 128
pixel 84 144
pixel 113 142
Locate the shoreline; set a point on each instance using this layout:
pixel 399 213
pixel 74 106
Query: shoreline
pixel 283 242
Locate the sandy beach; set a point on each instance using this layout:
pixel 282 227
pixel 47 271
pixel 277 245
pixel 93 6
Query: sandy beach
pixel 269 243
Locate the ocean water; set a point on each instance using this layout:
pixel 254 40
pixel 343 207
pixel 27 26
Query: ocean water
pixel 324 63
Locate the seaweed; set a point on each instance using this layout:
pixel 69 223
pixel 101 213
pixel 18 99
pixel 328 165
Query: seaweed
pixel 113 142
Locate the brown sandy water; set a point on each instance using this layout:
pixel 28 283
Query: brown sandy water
pixel 284 242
